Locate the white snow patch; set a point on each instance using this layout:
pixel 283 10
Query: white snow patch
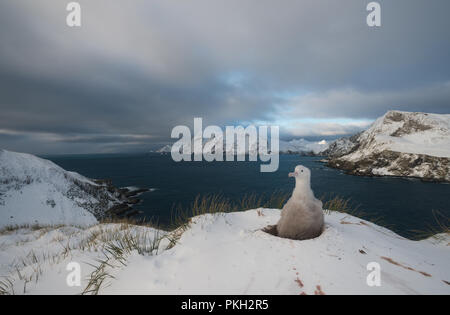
pixel 229 254
pixel 34 190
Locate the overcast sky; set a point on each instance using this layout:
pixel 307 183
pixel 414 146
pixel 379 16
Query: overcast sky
pixel 135 69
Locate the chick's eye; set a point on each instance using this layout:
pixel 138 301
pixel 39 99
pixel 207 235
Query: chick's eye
pixel 302 171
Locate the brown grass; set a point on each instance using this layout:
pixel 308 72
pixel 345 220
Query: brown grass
pixel 391 261
pixel 343 205
pixel 442 226
pixel 33 227
pixel 219 204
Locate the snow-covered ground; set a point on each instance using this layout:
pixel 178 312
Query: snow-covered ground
pixel 229 254
pixel 215 254
pixel 37 191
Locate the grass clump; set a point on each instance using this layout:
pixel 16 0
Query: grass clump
pixel 32 227
pixel 442 226
pixel 342 205
pixel 339 204
pixel 181 218
pixel 219 204
pixel 6 286
pixel 119 244
pixel 346 205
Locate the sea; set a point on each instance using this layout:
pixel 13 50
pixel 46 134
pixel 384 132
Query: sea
pixel 406 206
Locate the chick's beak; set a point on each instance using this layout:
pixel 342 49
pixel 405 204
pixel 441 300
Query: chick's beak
pixel 293 174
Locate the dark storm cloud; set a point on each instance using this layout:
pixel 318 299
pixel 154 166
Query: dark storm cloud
pixel 136 69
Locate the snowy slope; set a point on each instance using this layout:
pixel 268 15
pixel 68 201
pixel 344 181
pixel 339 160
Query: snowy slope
pixel 37 191
pixel 41 255
pixel 341 146
pixel 416 133
pixel 399 144
pixel 229 254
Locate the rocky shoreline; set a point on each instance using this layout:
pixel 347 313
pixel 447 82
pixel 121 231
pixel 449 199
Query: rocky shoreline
pixel 396 164
pixel 128 199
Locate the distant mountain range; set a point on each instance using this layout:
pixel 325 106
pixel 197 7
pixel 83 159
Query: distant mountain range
pixel 399 143
pixel 297 146
pixel 165 149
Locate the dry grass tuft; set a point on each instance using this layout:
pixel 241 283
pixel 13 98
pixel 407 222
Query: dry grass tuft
pixel 32 227
pixel 342 205
pixel 6 286
pixel 218 204
pixel 118 245
pixel 215 204
pixel 442 227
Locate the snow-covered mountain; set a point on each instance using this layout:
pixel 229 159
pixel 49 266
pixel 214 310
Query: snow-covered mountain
pixel 398 144
pixel 37 191
pixel 341 146
pixel 165 149
pixel 303 146
pixel 293 146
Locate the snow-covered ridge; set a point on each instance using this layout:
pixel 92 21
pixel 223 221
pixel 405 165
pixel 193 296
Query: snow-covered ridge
pixel 37 191
pixel 292 146
pixel 230 254
pixel 398 144
pixel 341 146
pixel 415 133
pixel 303 146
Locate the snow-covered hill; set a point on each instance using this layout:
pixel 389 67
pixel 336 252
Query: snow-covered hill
pixel 341 146
pixel 398 144
pixel 37 191
pixel 226 254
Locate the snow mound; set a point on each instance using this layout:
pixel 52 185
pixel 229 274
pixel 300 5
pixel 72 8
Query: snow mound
pixel 37 191
pixel 229 254
pixel 41 255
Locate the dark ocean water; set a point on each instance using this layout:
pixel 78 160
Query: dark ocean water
pixel 403 204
